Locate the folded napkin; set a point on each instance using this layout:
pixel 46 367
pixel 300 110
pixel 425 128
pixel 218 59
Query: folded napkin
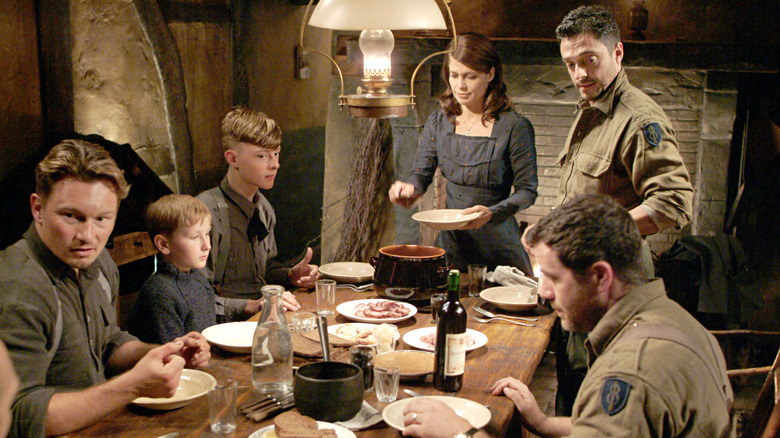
pixel 367 417
pixel 510 276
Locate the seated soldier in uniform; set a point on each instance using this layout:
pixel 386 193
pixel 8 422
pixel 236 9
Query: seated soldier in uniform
pixel 653 369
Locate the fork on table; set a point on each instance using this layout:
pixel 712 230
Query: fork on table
pixel 487 320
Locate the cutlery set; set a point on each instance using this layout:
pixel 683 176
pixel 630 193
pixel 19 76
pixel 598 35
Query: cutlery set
pixel 259 407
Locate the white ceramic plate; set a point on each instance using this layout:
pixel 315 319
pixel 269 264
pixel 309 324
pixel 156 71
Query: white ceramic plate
pixel 512 298
pixel 341 432
pixel 444 219
pixel 235 337
pixel 332 329
pixel 476 414
pixel 193 384
pixel 412 338
pixel 348 272
pixel 348 310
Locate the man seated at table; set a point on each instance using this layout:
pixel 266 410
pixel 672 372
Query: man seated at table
pixel 57 318
pixel 653 369
pixel 177 298
pixel 243 246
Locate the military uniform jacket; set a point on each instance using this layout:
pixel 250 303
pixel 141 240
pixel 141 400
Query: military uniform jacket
pixel 651 387
pixel 624 146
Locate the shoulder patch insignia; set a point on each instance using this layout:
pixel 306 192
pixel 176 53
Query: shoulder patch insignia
pixel 652 133
pixel 614 395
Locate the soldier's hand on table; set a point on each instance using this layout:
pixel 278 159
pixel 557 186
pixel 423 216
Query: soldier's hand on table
pixel 484 216
pixel 402 194
pixel 157 373
pixel 303 274
pixel 432 419
pixel 195 350
pixel 525 402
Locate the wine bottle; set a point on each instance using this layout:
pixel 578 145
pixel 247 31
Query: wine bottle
pixel 450 352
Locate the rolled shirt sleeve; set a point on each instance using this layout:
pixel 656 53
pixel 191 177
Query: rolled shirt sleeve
pixel 658 173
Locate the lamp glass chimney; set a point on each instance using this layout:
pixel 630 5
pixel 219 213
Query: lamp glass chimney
pixel 376 45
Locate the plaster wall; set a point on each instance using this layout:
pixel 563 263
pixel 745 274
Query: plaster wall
pixel 118 90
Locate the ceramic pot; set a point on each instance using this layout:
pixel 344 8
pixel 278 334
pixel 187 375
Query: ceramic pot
pixel 409 272
pixel 329 391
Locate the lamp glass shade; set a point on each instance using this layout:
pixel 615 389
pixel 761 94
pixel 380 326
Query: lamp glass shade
pixel 377 14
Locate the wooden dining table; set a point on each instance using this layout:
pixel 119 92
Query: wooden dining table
pixel 511 350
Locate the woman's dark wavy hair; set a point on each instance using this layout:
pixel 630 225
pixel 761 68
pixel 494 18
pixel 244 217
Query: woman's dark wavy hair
pixel 476 52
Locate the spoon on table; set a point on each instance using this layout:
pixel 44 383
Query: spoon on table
pixel 494 315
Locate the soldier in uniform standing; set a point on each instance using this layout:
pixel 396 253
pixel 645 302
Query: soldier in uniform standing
pixel 621 145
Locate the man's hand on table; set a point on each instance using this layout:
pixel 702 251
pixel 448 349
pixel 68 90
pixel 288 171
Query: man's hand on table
pixel 288 301
pixel 157 373
pixel 429 418
pixel 526 404
pixel 303 274
pixel 195 349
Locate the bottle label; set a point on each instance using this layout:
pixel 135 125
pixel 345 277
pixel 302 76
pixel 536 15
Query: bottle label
pixel 455 355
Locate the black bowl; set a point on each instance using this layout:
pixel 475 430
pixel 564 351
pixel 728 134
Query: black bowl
pixel 329 391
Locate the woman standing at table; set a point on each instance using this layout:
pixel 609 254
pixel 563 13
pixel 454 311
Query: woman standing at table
pixel 484 149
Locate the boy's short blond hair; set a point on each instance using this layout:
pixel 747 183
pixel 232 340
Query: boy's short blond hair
pixel 169 213
pixel 243 125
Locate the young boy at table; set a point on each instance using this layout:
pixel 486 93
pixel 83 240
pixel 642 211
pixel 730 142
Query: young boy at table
pixel 177 298
pixel 243 221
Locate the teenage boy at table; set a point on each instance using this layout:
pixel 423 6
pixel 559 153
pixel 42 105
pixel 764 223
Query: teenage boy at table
pixel 243 221
pixel 177 298
pixel 653 370
pixel 59 286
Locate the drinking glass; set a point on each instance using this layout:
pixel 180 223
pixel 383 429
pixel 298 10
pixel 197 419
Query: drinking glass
pixel 385 337
pixel 436 301
pixel 222 407
pixel 386 383
pixel 476 279
pixel 303 322
pixel 326 297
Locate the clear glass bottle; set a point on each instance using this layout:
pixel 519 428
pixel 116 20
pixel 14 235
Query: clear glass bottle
pixel 272 351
